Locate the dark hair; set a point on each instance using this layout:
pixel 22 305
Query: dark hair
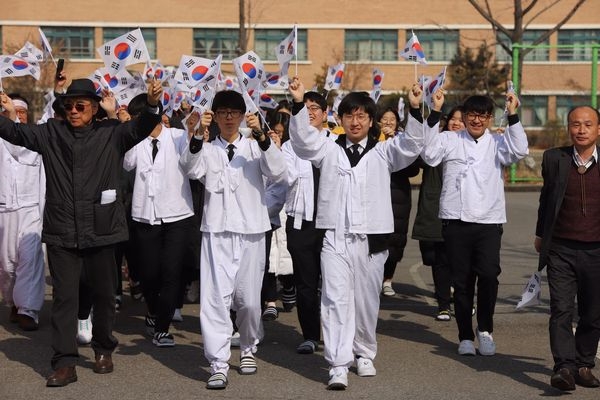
pixel 479 104
pixel 283 119
pixel 137 105
pixel 229 99
pixel 283 105
pixel 393 111
pixel 316 98
pixel 448 116
pixel 355 100
pixel 576 107
pixel 59 109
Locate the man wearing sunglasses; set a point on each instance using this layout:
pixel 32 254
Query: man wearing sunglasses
pixel 84 216
pixel 472 208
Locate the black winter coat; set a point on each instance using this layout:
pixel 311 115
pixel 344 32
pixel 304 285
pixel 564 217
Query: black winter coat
pixel 80 164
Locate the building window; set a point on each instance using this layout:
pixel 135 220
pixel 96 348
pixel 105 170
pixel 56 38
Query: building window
pixel 149 35
pixel 438 45
pixel 565 103
pixel 529 36
pixel 73 42
pixel 534 110
pixel 209 43
pixel 577 37
pixel 266 42
pixel 372 45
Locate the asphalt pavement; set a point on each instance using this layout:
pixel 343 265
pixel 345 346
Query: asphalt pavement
pixel 417 356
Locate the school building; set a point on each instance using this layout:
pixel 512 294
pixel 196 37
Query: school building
pixel 362 34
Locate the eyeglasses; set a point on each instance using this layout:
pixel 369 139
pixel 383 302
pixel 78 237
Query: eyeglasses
pixel 225 113
pixel 471 116
pixel 314 109
pixel 359 117
pixel 79 107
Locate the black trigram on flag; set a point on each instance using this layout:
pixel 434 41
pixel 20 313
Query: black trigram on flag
pixel 107 50
pixel 124 81
pixel 245 82
pixel 8 71
pixel 137 54
pixel 251 58
pixel 205 87
pixel 115 65
pixel 189 63
pixel 185 76
pixel 131 38
pixel 281 49
pixel 124 96
pixel 203 102
pixel 412 58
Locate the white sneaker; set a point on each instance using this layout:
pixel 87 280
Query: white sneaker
pixel 84 330
pixel 466 348
pixel 387 290
pixel 177 317
pixel 235 339
pixel 338 378
pixel 365 367
pixel 487 347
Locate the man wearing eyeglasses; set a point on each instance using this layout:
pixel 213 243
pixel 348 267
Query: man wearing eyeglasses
pixel 472 208
pixel 234 221
pixel 355 211
pixel 22 193
pixel 84 216
pixel 304 239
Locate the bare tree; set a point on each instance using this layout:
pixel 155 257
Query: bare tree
pixel 523 8
pixel 243 34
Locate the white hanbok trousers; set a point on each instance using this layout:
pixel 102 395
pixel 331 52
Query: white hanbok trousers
pixel 231 272
pixel 22 278
pixel 349 298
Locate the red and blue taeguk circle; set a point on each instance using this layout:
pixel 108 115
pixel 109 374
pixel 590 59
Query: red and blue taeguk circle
pixel 249 70
pixel 19 64
pixel 338 76
pixel 122 51
pixel 111 80
pixel 199 72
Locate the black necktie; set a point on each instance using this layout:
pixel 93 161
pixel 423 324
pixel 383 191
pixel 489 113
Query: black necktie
pixel 154 148
pixel 353 154
pixel 230 151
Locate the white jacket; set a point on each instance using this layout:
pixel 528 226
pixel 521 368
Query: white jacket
pixel 355 200
pixel 234 198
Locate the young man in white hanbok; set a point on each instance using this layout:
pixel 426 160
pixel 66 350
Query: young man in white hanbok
pixel 355 210
pixel 235 219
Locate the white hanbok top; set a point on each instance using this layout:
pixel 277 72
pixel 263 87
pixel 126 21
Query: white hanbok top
pixel 161 191
pixel 234 199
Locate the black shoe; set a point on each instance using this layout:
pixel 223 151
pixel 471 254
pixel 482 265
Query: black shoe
pixel 585 378
pixel 27 323
pixel 563 380
pixel 270 314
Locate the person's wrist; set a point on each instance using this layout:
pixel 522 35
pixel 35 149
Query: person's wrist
pixel 258 134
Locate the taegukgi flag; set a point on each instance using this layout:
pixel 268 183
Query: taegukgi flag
pixel 125 50
pixel 249 70
pixel 413 50
pixel 334 77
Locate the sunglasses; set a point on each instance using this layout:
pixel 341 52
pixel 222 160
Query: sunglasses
pixel 80 107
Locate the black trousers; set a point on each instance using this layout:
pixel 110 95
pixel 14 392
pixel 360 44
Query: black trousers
pixel 161 251
pixel 96 268
pixel 574 271
pixel 305 246
pixel 434 255
pixel 473 252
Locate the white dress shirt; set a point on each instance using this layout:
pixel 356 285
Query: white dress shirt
pixel 473 179
pixel 161 192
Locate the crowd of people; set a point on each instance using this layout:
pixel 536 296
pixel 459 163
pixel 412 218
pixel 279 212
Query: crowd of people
pixel 244 213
